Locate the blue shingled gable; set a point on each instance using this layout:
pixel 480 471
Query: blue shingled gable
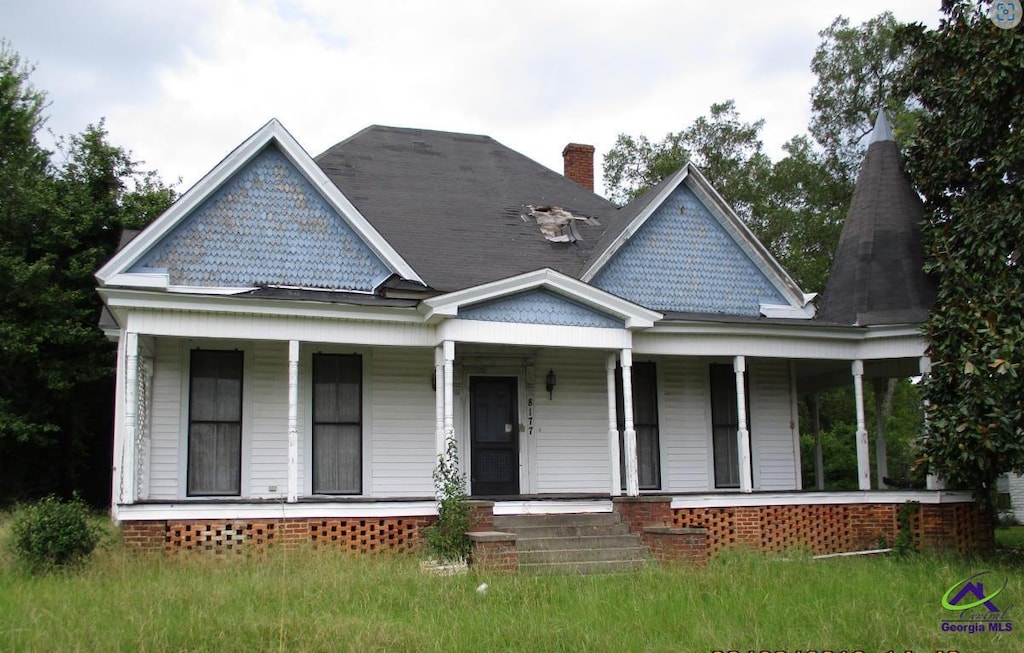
pixel 682 259
pixel 539 307
pixel 266 226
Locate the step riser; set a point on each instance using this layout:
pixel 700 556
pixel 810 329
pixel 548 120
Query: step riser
pixel 616 567
pixel 570 519
pixel 534 532
pixel 591 542
pixel 635 554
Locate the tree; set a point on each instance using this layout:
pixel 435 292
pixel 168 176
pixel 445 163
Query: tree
pixel 968 162
pixel 59 221
pixel 859 70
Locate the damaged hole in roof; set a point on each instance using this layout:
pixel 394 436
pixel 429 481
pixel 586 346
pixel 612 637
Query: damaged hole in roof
pixel 557 224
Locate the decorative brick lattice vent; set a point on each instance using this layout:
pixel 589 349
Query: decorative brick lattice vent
pixel 367 535
pixel 218 537
pixel 718 522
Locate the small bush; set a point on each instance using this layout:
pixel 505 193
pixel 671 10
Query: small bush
pixel 52 533
pixel 446 538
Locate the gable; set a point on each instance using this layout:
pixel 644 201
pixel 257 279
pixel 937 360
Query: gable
pixel 682 258
pixel 539 307
pixel 267 225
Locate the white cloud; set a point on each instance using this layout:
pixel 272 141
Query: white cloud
pixel 182 83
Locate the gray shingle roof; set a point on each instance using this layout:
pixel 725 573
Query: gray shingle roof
pixel 451 204
pixel 877 274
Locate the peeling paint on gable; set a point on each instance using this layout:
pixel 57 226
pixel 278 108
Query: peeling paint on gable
pixel 539 307
pixel 682 259
pixel 266 226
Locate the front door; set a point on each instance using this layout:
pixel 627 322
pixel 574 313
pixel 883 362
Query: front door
pixel 494 435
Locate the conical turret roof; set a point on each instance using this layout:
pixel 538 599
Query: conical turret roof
pixel 877 275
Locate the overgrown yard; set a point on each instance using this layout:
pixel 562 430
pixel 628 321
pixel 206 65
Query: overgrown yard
pixel 322 601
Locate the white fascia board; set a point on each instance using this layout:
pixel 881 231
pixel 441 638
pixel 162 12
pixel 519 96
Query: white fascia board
pixel 126 299
pixel 776 274
pixel 633 315
pixel 806 312
pixel 207 509
pixel 140 279
pixel 275 132
pixel 595 266
pixel 744 500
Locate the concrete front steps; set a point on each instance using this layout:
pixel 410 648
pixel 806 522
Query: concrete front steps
pixel 590 543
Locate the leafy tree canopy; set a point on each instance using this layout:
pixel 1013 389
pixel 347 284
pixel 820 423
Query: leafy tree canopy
pixel 968 162
pixel 60 219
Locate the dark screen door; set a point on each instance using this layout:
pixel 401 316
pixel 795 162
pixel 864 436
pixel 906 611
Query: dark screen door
pixel 494 435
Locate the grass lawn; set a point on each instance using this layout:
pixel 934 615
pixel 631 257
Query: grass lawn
pixel 322 601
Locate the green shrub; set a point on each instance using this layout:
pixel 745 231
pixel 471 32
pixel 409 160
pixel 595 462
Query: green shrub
pixel 446 538
pixel 52 533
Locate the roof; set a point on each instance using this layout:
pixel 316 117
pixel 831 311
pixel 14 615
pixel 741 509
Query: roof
pixel 877 275
pixel 425 189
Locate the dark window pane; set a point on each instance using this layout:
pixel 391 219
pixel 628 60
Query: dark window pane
pixel 645 423
pixel 215 423
pixel 725 425
pixel 337 424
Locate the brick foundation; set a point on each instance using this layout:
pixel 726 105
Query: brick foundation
pixel 687 546
pixel 358 535
pixel 493 551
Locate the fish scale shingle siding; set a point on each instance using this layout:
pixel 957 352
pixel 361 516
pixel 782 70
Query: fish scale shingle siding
pixel 266 226
pixel 683 260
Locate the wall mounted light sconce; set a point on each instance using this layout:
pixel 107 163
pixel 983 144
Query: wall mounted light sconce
pixel 549 383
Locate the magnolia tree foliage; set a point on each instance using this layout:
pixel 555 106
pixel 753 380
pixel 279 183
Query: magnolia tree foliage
pixel 60 219
pixel 968 162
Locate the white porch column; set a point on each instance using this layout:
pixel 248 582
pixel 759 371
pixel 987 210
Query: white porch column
pixel 881 457
pixel 739 366
pixel 293 421
pixel 126 480
pixel 439 402
pixel 863 455
pixel 449 389
pixel 629 433
pixel 924 366
pixel 613 430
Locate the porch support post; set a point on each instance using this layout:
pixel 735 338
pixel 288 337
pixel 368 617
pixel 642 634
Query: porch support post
pixel 819 460
pixel 449 390
pixel 863 455
pixel 629 433
pixel 881 458
pixel 613 430
pixel 924 366
pixel 739 366
pixel 126 493
pixel 439 403
pixel 293 421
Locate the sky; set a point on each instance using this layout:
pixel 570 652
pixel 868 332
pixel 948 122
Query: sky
pixel 180 83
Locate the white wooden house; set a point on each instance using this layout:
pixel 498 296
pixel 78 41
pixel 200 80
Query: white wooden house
pixel 298 336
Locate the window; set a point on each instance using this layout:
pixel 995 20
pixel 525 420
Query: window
pixel 645 423
pixel 725 424
pixel 215 423
pixel 337 424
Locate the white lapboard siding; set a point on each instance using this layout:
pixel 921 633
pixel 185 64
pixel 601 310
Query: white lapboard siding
pixel 683 423
pixel 772 423
pixel 268 411
pixel 571 427
pixel 165 420
pixel 404 420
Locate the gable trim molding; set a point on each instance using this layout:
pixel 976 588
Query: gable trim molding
pixel 114 273
pixel 633 316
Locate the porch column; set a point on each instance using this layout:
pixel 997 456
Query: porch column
pixel 126 482
pixel 863 455
pixel 739 366
pixel 449 390
pixel 819 460
pixel 629 433
pixel 293 421
pixel 439 399
pixel 924 366
pixel 881 458
pixel 613 430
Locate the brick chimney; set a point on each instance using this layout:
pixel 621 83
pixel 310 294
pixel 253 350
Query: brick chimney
pixel 579 164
